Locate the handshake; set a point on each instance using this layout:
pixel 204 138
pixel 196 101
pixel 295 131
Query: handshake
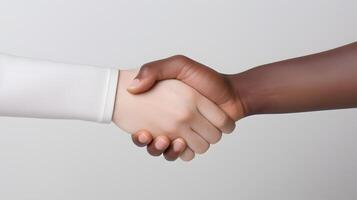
pixel 182 117
pixel 176 106
pixel 177 118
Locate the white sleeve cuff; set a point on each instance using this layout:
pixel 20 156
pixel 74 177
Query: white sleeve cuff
pixel 46 89
pixel 109 97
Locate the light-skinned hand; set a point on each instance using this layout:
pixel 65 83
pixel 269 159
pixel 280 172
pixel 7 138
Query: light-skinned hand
pixel 215 86
pixel 171 110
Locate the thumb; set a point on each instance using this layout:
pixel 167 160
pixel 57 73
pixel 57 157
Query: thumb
pixel 141 84
pixel 149 73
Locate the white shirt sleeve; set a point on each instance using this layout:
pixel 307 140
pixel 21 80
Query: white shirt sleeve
pixel 45 89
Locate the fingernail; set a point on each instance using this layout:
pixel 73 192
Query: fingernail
pixel 160 144
pixel 142 138
pixel 134 84
pixel 178 146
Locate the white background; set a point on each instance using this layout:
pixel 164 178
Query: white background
pixel 292 156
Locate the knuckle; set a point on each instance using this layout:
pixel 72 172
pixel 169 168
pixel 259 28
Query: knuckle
pixel 172 128
pixel 203 148
pixel 231 128
pixel 146 69
pixel 187 158
pixel 217 137
pixel 180 58
pixel 223 121
pixel 185 115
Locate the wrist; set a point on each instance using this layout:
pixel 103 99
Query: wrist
pixel 124 79
pixel 241 89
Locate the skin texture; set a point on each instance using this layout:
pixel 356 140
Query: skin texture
pixel 172 109
pixel 322 81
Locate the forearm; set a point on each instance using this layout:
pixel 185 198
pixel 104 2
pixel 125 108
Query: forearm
pixel 326 80
pixel 46 89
